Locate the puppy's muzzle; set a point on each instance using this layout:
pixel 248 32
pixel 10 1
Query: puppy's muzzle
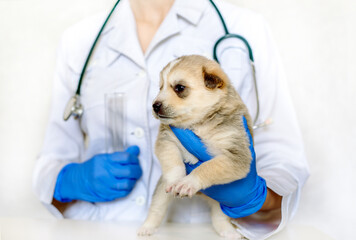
pixel 157 107
pixel 161 111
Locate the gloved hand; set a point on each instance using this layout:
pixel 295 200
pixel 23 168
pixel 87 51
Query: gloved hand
pixel 237 199
pixel 102 178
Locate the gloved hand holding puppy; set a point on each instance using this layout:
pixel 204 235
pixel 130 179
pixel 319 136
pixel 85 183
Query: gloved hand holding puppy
pixel 240 198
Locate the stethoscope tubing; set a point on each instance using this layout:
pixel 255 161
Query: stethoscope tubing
pixel 92 49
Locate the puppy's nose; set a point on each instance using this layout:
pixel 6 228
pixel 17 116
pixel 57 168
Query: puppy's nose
pixel 157 106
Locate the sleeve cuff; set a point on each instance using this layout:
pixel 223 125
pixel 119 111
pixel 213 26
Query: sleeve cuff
pixel 53 210
pixel 58 185
pixel 44 182
pixel 262 225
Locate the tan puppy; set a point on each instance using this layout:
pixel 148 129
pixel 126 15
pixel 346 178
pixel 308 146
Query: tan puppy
pixel 195 93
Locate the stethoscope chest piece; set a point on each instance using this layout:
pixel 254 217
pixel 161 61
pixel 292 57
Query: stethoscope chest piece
pixel 73 108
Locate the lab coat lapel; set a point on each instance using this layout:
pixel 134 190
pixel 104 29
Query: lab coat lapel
pixel 168 28
pixel 123 39
pixel 191 11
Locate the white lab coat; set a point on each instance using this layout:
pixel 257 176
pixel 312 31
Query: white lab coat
pixel 118 65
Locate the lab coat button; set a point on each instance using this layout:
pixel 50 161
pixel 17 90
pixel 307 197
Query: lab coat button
pixel 139 133
pixel 140 200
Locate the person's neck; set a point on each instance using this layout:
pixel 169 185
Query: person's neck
pixel 153 11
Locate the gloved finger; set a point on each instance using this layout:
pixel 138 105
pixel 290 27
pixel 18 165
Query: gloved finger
pixel 92 198
pixel 252 150
pixel 247 130
pixel 134 150
pixel 109 194
pixel 132 171
pixel 120 194
pixel 102 194
pixel 130 156
pixel 192 143
pixel 189 167
pixel 123 184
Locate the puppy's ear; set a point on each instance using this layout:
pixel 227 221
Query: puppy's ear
pixel 212 79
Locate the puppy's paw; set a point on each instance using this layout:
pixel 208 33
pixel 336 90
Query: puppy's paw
pixel 186 187
pixel 146 231
pixel 169 187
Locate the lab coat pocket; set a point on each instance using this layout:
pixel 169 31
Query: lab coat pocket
pixel 100 57
pixel 100 62
pixel 119 76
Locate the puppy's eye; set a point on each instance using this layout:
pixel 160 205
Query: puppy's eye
pixel 179 88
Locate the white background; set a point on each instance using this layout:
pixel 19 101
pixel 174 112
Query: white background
pixel 316 39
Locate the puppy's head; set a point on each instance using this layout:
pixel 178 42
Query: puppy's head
pixel 191 89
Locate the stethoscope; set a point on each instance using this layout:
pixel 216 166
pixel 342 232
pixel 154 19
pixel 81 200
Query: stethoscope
pixel 74 107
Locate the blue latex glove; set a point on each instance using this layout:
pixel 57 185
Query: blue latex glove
pixel 237 199
pixel 102 178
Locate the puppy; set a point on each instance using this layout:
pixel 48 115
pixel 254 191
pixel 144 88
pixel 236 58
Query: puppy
pixel 196 94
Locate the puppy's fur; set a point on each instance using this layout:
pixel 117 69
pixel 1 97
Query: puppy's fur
pixel 196 94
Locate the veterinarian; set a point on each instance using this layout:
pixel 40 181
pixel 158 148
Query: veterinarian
pixel 75 178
